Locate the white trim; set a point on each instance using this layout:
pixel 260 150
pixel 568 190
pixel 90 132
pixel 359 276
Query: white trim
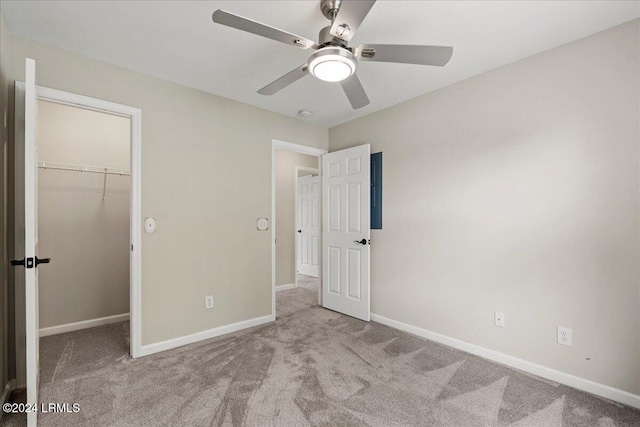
pixel 5 395
pixel 8 388
pixel 86 102
pixel 30 237
pixel 514 362
pixel 20 315
pixel 204 335
pixel 304 149
pixel 84 324
pixel 286 287
pixel 135 260
pixel 298 148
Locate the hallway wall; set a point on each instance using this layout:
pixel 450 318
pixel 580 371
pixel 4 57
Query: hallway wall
pixel 286 162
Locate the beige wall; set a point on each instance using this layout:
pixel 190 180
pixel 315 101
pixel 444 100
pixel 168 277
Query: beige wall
pixel 286 162
pixel 86 237
pixel 78 136
pixel 518 191
pixel 5 327
pixel 206 179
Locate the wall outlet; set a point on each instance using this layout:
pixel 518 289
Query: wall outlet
pixel 499 319
pixel 208 302
pixel 564 336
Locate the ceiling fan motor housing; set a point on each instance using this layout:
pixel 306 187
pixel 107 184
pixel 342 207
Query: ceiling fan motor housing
pixel 325 37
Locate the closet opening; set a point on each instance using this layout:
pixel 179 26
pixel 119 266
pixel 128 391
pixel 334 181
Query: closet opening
pixel 83 204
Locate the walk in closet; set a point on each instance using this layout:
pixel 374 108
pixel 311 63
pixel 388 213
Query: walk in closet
pixel 83 217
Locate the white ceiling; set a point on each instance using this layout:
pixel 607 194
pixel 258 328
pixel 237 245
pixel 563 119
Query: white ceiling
pixel 177 41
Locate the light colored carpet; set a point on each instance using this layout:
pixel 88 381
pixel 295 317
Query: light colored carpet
pixel 308 282
pixel 311 367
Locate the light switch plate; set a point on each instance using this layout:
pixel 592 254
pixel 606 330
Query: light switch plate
pixel 263 224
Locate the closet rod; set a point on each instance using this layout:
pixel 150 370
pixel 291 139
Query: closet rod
pixel 82 168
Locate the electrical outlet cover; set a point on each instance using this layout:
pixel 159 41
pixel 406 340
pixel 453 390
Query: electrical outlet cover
pixel 499 319
pixel 208 302
pixel 564 336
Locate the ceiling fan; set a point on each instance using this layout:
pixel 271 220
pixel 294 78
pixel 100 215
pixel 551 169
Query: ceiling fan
pixel 333 60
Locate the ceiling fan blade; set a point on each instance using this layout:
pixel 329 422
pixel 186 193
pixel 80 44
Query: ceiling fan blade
pixel 284 81
pixel 355 92
pixel 245 24
pixel 349 17
pixel 406 54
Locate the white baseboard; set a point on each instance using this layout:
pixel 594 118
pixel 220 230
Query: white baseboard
pixel 521 364
pixel 85 324
pixel 204 335
pixel 285 287
pixel 8 388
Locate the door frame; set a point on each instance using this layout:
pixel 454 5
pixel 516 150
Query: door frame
pixel 295 213
pixel 298 148
pixel 135 203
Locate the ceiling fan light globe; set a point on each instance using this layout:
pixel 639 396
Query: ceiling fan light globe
pixel 332 64
pixel 332 70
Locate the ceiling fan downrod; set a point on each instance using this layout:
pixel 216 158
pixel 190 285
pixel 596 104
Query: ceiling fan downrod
pixel 330 9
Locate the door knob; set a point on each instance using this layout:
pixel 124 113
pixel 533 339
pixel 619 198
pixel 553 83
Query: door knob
pixel 29 262
pixel 361 242
pixel 299 231
pixel 17 262
pixel 42 261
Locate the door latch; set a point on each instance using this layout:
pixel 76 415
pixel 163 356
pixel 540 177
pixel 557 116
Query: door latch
pixel 30 262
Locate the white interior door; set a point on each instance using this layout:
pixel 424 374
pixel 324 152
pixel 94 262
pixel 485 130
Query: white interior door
pixel 345 231
pixel 27 238
pixel 308 225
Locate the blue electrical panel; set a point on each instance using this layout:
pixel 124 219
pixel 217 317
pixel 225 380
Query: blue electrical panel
pixel 376 191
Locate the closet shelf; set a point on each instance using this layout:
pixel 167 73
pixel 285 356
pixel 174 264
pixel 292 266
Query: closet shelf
pixel 83 168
